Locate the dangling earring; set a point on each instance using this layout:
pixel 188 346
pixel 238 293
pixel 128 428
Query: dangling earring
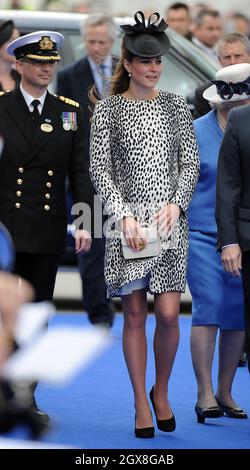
pixel 129 74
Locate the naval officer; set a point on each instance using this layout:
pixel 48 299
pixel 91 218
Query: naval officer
pixel 44 141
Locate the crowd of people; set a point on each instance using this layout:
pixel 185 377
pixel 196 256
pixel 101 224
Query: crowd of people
pixel 115 136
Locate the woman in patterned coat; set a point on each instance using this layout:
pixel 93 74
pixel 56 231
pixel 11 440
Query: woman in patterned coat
pixel 144 165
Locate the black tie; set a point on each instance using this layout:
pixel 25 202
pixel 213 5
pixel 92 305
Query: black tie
pixel 35 113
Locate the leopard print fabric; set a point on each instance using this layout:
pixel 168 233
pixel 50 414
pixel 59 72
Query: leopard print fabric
pixel 143 154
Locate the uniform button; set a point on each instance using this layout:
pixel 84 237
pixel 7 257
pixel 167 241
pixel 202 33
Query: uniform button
pixel 50 173
pixel 20 169
pixel 19 193
pixel 48 184
pixel 19 181
pixel 47 195
pixel 17 205
pixel 46 207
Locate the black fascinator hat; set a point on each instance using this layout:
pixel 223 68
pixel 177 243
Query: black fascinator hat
pixel 146 40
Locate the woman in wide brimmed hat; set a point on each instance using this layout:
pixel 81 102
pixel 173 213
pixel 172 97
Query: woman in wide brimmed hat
pixel 217 296
pixel 144 165
pixel 9 77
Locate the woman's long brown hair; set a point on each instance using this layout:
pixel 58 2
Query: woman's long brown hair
pixel 120 80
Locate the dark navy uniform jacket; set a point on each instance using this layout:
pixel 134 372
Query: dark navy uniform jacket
pixel 33 168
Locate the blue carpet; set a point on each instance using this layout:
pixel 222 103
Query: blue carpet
pixel 96 410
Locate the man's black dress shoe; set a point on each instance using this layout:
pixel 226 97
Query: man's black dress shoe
pixel 231 412
pixel 102 315
pixel 166 425
pixel 20 408
pixel 211 412
pixel 243 359
pixel 34 410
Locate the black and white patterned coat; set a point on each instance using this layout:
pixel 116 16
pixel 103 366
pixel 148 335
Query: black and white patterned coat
pixel 143 156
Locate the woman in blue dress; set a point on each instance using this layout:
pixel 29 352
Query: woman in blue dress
pixel 217 295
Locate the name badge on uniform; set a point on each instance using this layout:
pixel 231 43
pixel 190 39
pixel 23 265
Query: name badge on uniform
pixel 69 121
pixel 45 127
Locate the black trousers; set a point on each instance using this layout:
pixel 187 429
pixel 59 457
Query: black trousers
pixel 91 267
pixel 246 287
pixel 40 270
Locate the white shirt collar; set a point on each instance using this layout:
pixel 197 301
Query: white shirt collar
pixel 107 62
pixel 211 51
pixel 98 74
pixel 28 99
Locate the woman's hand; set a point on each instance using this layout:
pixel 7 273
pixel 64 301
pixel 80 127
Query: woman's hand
pixel 166 218
pixel 133 233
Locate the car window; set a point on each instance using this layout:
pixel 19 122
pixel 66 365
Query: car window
pixel 185 48
pixel 176 78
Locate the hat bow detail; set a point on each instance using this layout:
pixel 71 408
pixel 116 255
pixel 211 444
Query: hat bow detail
pixel 141 27
pixel 227 90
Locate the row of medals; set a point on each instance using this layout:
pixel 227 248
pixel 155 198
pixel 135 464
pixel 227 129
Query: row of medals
pixel 67 126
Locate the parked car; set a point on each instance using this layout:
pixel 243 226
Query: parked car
pixel 186 66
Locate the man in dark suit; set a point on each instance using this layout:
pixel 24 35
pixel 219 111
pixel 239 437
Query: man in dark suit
pixel 95 68
pixel 233 48
pixel 233 201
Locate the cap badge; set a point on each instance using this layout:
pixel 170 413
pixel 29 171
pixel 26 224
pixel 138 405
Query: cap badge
pixel 46 44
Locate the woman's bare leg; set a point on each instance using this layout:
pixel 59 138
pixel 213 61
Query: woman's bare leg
pixel 230 347
pixel 166 342
pixel 203 339
pixel 134 308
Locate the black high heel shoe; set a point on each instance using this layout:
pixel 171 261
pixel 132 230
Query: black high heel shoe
pixel 144 433
pixel 211 412
pixel 166 425
pixel 231 412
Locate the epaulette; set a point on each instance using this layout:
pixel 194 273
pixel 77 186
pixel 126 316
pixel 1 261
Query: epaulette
pixel 68 101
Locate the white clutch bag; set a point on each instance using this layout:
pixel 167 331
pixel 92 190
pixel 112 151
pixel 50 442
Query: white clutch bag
pixel 152 248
